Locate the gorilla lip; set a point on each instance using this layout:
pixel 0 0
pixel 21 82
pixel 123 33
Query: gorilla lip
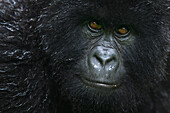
pixel 98 83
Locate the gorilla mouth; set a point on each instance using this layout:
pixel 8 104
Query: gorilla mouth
pixel 98 84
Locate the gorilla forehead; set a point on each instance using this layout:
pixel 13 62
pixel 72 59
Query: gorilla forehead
pixel 112 11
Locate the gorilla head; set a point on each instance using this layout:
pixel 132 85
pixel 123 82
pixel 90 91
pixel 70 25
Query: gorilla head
pixel 82 56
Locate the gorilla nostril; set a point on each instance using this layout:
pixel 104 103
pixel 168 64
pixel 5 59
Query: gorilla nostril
pixel 112 58
pixel 99 59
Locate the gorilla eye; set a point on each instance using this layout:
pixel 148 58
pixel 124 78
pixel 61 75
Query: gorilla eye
pixel 122 31
pixel 94 26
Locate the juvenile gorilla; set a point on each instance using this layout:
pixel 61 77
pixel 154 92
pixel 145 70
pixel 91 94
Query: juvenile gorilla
pixel 84 56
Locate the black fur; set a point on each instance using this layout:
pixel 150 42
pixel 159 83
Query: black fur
pixel 41 46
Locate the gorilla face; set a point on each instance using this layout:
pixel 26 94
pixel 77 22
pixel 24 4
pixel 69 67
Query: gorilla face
pixel 104 52
pixel 103 64
pixel 82 56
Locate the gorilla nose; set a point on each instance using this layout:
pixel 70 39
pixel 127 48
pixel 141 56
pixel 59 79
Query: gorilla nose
pixel 104 56
pixel 103 60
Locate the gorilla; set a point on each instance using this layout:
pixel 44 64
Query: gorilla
pixel 84 56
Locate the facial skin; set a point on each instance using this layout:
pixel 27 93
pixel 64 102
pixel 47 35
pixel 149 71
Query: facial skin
pixel 103 62
pixel 84 56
